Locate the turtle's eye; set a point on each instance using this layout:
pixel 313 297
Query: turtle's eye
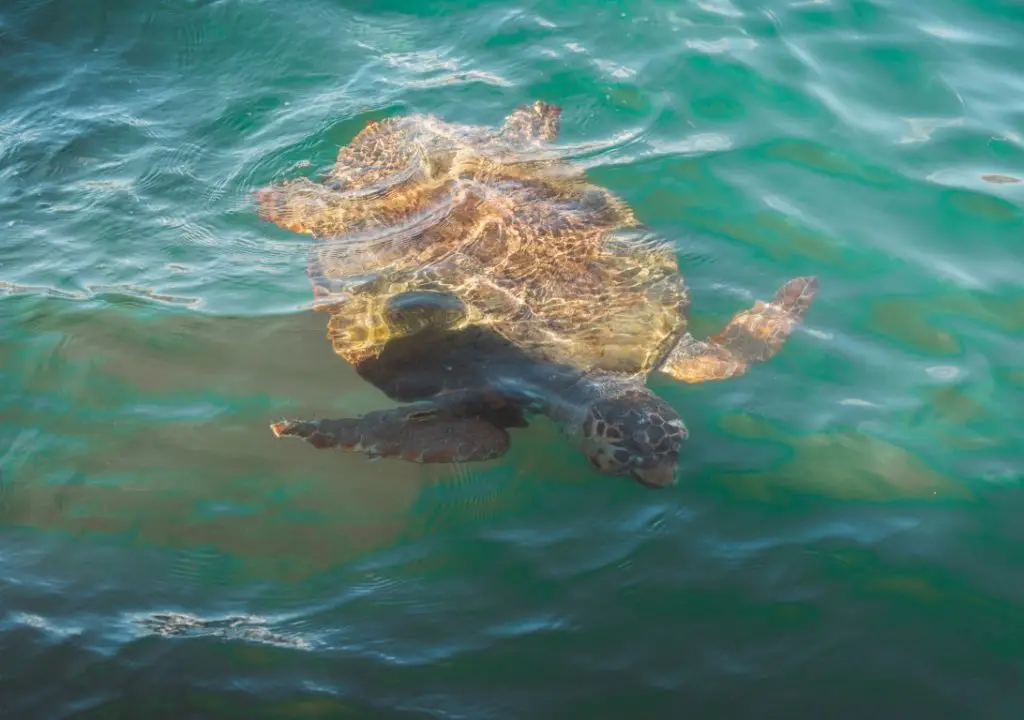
pixel 610 460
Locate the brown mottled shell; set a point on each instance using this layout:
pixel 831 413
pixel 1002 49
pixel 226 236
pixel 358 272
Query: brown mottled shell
pixel 557 265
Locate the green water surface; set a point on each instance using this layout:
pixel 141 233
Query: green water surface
pixel 846 540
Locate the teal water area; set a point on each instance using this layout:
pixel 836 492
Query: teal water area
pixel 846 539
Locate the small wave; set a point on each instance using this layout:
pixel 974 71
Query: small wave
pixel 92 292
pixel 248 628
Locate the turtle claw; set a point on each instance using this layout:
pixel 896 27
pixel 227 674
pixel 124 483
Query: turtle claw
pixel 312 432
pixel 297 428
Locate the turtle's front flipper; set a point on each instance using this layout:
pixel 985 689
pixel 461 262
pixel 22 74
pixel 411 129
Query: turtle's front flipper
pixel 461 426
pixel 753 335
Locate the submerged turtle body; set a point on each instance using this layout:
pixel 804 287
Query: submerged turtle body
pixel 475 273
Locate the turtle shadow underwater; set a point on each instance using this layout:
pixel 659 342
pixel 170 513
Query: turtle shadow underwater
pixel 177 453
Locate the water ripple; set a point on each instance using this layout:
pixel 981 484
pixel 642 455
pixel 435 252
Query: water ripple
pixel 858 497
pixel 247 628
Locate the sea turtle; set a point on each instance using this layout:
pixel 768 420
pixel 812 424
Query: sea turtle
pixel 476 275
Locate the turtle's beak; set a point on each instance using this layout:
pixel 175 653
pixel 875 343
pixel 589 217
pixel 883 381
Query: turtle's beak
pixel 661 475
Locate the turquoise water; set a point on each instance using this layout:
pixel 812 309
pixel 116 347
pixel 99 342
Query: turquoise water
pixel 846 538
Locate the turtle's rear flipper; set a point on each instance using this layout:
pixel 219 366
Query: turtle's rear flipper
pixel 753 335
pixel 534 121
pixel 458 427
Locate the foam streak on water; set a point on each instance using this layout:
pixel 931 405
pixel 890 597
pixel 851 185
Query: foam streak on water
pixel 845 540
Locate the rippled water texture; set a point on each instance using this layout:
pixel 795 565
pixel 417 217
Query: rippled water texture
pixel 846 539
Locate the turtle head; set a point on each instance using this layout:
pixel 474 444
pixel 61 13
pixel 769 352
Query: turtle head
pixel 636 434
